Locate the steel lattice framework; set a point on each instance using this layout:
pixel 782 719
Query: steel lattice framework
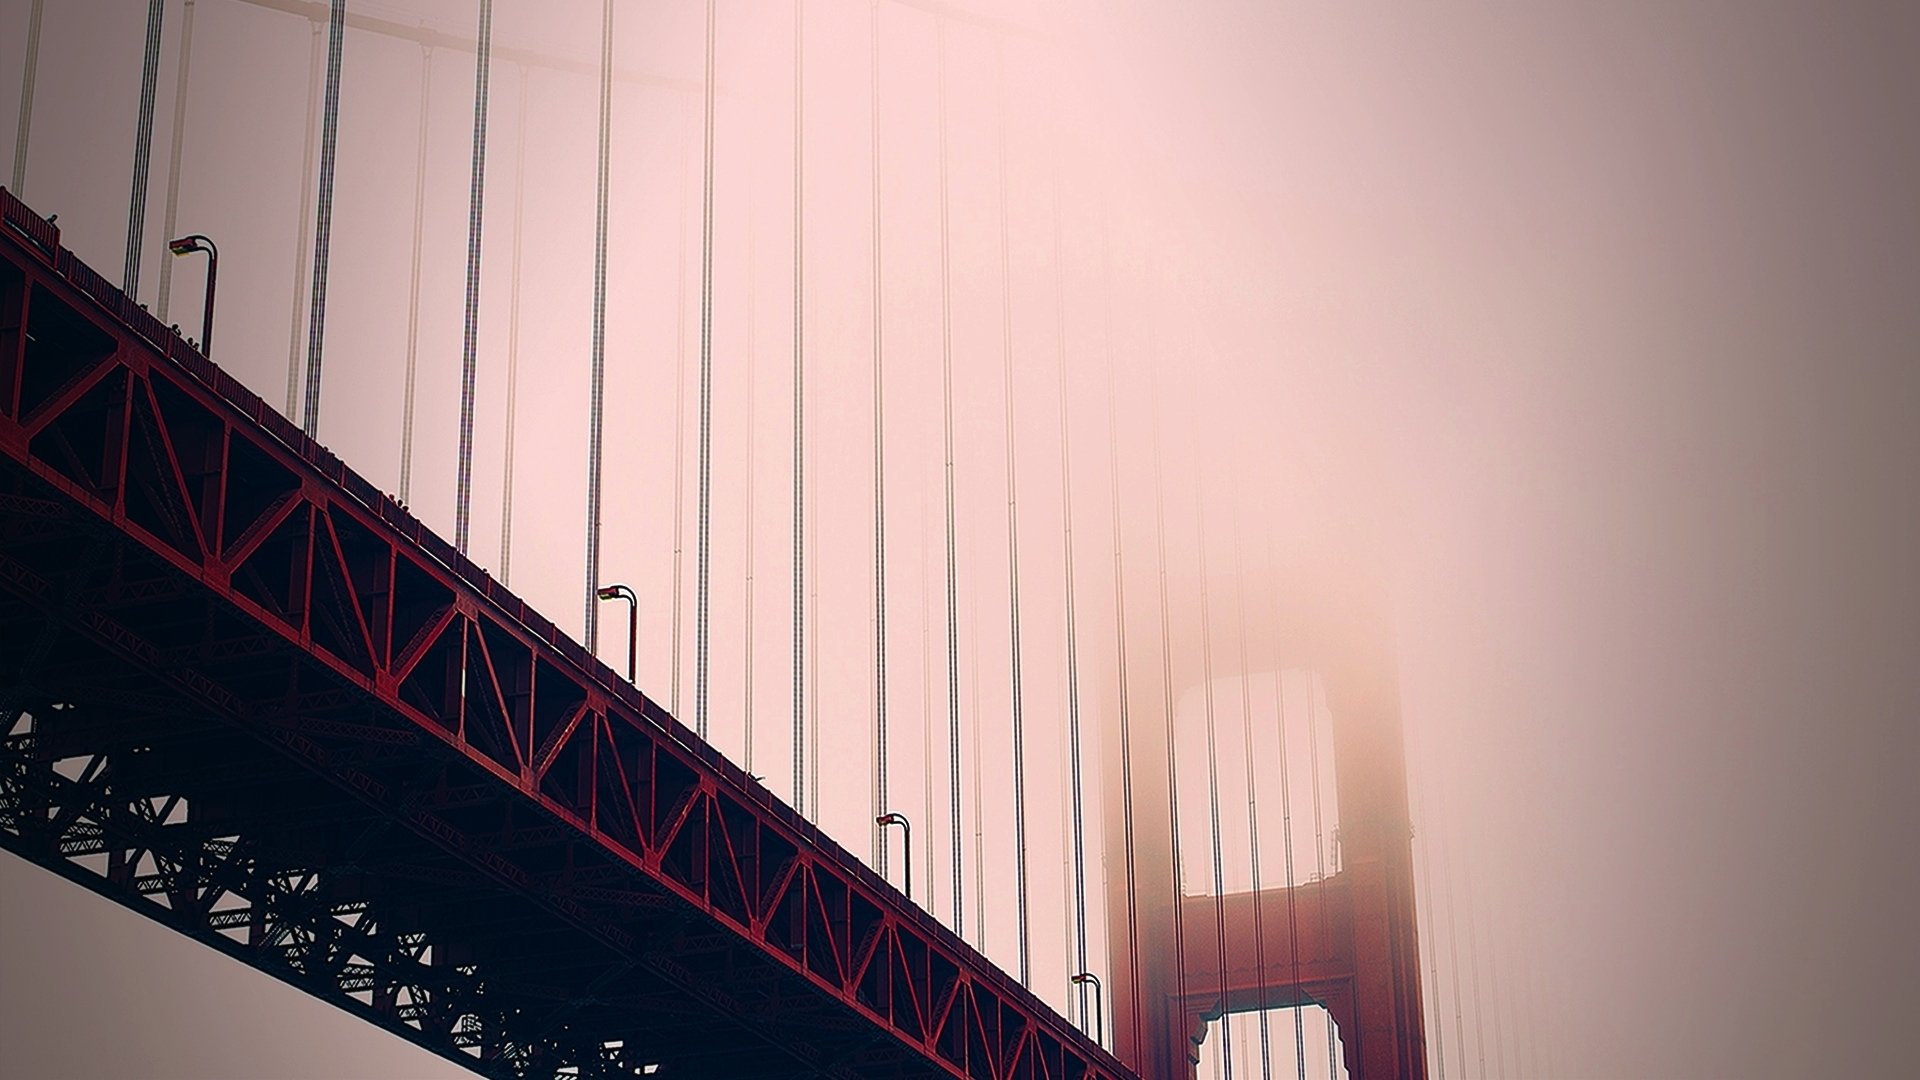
pixel 247 695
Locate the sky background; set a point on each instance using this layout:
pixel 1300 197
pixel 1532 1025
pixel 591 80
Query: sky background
pixel 1584 333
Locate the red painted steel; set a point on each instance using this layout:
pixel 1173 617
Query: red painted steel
pixel 1356 933
pixel 247 694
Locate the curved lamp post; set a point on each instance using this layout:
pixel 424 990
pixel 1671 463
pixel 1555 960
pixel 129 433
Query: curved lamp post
pixel 621 592
pixel 906 846
pixel 1099 1008
pixel 187 245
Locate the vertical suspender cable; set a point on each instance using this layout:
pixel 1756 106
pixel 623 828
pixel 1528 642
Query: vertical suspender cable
pixel 1533 1018
pixel 470 343
pixel 1166 679
pixel 879 461
pixel 1213 781
pixel 946 401
pixel 29 75
pixel 813 675
pixel 323 215
pixel 1453 961
pixel 1076 774
pixel 513 336
pixel 1013 537
pixel 753 334
pixel 706 404
pixel 973 731
pixel 596 400
pixel 926 691
pixel 142 150
pixel 309 145
pixel 799 409
pixel 1548 1039
pixel 1135 1004
pixel 171 215
pixel 1473 965
pixel 1493 980
pixel 1319 842
pixel 679 418
pixel 1424 847
pixel 1286 828
pixel 1070 890
pixel 1253 799
pixel 413 281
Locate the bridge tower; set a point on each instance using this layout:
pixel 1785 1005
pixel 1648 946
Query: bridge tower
pixel 1355 931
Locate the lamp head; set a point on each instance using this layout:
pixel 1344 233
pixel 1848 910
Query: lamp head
pixel 610 592
pixel 187 245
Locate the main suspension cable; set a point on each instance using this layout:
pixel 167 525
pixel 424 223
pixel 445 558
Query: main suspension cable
pixel 171 215
pixel 704 553
pixel 29 77
pixel 880 805
pixel 309 147
pixel 323 215
pixel 413 284
pixel 953 590
pixel 142 149
pixel 1013 533
pixel 470 342
pixel 513 336
pixel 596 399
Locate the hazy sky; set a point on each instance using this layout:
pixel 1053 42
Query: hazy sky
pixel 1592 326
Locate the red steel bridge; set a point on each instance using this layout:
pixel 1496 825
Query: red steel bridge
pixel 249 696
pixel 252 698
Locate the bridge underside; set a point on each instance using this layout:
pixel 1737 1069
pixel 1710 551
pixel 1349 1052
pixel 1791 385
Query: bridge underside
pixel 337 849
pixel 153 803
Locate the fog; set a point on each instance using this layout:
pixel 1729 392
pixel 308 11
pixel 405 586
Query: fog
pixel 1578 341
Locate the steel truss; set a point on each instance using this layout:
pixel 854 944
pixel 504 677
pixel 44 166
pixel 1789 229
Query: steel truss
pixel 247 695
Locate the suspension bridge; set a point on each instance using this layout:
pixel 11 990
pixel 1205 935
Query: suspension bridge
pixel 249 694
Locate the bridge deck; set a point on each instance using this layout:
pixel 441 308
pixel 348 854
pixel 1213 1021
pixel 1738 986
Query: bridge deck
pixel 248 695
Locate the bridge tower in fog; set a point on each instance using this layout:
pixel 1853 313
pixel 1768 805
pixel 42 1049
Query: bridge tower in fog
pixel 1347 942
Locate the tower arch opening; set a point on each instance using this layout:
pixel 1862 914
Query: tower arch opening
pixel 1300 1041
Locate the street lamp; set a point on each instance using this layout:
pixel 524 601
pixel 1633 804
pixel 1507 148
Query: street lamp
pixel 906 845
pixel 1099 1010
pixel 187 245
pixel 621 592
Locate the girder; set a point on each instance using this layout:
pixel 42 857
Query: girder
pixel 252 698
